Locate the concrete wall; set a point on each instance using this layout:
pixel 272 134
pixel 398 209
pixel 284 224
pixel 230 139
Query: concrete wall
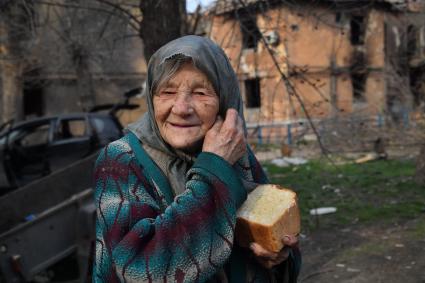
pixel 61 96
pixel 114 60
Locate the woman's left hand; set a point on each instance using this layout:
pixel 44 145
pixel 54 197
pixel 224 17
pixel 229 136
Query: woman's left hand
pixel 269 259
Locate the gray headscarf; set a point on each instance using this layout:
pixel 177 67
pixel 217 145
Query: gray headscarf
pixel 210 59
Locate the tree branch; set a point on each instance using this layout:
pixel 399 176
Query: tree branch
pixel 290 87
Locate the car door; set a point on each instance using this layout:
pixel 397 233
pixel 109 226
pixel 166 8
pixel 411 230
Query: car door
pixel 72 141
pixel 4 181
pixel 106 128
pixel 27 152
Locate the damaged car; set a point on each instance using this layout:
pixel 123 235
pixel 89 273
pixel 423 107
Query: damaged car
pixel 32 149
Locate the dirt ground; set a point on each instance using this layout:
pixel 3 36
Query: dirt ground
pixel 372 253
pixel 389 253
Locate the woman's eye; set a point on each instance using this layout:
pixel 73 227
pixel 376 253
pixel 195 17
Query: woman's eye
pixel 167 92
pixel 200 92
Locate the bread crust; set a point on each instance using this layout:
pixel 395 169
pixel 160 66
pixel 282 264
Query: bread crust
pixel 270 236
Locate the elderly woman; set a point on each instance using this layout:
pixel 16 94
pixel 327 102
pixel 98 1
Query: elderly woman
pixel 168 191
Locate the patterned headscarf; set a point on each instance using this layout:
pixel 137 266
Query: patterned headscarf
pixel 209 58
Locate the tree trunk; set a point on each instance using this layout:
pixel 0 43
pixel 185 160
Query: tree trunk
pixel 11 91
pixel 162 22
pixel 84 78
pixel 420 167
pixel 14 29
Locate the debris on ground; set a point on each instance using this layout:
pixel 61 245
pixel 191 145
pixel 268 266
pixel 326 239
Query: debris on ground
pixel 288 161
pixel 322 210
pixel 368 157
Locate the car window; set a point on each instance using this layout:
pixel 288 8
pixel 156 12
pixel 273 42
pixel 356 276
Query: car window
pixel 106 129
pixel 14 135
pixel 71 128
pixel 33 136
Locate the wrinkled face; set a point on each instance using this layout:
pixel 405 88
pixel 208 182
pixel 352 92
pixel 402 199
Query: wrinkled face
pixel 185 108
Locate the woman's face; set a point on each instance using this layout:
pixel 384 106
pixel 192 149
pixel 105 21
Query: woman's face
pixel 185 108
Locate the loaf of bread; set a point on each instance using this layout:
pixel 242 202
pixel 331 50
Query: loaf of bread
pixel 269 213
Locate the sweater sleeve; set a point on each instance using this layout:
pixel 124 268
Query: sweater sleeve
pixel 256 169
pixel 137 240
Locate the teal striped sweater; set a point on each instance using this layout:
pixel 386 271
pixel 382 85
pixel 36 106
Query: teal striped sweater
pixel 145 235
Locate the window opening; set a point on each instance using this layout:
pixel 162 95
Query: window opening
pixel 32 136
pixel 358 81
pixel 250 32
pixel 33 101
pixel 338 17
pixel 252 93
pixel 357 25
pixel 68 129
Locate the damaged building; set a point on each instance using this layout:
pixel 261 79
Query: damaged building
pixel 327 58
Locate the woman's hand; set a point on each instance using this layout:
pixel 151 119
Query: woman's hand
pixel 269 259
pixel 226 138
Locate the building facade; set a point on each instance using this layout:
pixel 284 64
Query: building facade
pixel 326 58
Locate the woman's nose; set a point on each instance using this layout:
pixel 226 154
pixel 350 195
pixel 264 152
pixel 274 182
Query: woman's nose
pixel 183 104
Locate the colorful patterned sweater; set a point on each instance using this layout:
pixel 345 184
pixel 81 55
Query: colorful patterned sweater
pixel 142 237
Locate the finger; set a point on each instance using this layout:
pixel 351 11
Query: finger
pixel 239 123
pixel 231 118
pixel 290 240
pixel 217 124
pixel 259 251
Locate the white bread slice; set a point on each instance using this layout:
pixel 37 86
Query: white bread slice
pixel 269 213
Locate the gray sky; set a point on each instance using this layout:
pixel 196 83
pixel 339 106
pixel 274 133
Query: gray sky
pixel 191 4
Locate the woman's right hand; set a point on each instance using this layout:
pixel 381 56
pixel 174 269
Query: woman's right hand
pixel 270 259
pixel 226 138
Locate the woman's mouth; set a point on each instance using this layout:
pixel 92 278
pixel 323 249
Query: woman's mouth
pixel 182 125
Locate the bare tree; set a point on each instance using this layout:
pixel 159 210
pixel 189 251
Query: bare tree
pixel 157 30
pixel 81 38
pixel 161 21
pixel 15 30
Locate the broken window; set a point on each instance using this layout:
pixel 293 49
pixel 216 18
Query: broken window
pixel 417 84
pixel 338 17
pixel 71 128
pixel 250 32
pixel 295 27
pixel 33 101
pixel 358 81
pixel 252 93
pixel 357 25
pixel 341 18
pixel 37 136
